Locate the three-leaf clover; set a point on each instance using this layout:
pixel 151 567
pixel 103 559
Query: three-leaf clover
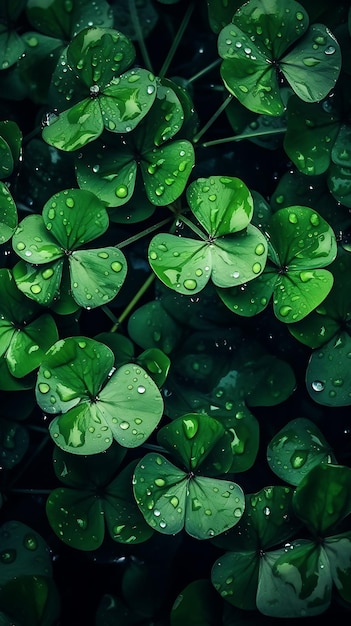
pixel 94 402
pixel 94 495
pixel 172 498
pixel 91 73
pixel 50 246
pixel 301 244
pixel 26 332
pixel 259 47
pixel 110 168
pixel 229 250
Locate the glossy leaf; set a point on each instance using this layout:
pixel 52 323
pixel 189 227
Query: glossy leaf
pixel 164 166
pixel 328 380
pixel 22 551
pixel 24 334
pixel 97 403
pixel 323 498
pixel 301 244
pixel 63 20
pixel 223 207
pixel 10 144
pixel 8 214
pixel 97 275
pixel 171 499
pixel 14 443
pixel 150 326
pixel 239 573
pixel 311 132
pixel 250 61
pixel 296 449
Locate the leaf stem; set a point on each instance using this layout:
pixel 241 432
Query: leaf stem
pixel 109 314
pixel 204 71
pixel 194 228
pixel 144 233
pixel 138 31
pixel 212 119
pixel 133 302
pixel 262 133
pixel 176 41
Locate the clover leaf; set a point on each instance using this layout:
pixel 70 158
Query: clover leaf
pixel 10 144
pixel 321 500
pixel 296 449
pixel 260 45
pixel 171 498
pixel 94 402
pixel 230 251
pixel 8 214
pixel 11 45
pixel 92 68
pixel 165 166
pixel 301 244
pixel 25 335
pixel 241 574
pixel 28 594
pixel 70 219
pixel 92 496
pixel 60 19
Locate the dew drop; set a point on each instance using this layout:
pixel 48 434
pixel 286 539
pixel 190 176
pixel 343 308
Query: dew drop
pixel 44 388
pixel 317 385
pixel 141 389
pixel 124 425
pixel 116 266
pixel 122 191
pixel 190 284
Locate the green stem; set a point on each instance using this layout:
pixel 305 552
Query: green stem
pixel 109 314
pixel 176 40
pixel 194 228
pixel 204 71
pixel 133 302
pixel 262 133
pixel 144 233
pixel 213 118
pixel 136 25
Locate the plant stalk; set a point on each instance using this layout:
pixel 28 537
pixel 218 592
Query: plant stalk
pixel 133 302
pixel 263 133
pixel 212 119
pixel 141 41
pixel 176 40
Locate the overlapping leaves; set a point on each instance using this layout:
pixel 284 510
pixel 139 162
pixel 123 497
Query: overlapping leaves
pixel 110 168
pixel 105 96
pixel 92 496
pixel 94 402
pixel 51 243
pixel 230 250
pixel 172 498
pixel 261 41
pixel 301 244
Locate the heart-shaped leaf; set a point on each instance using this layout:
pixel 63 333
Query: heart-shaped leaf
pixel 296 449
pixel 97 403
pixel 301 243
pixel 233 252
pixel 8 214
pixel 97 275
pixel 328 379
pixel 171 499
pixel 62 20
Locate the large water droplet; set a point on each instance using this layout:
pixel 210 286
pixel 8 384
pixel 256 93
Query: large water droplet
pixel 317 385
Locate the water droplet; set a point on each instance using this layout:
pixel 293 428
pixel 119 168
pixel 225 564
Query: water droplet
pixel 30 542
pixel 122 191
pixel 256 268
pixel 260 248
pixel 285 310
pixel 141 389
pixel 190 284
pixel 70 202
pixel 116 266
pixel 160 482
pixel 124 425
pixel 298 459
pixel 293 218
pixel 317 385
pixel 36 289
pixel 20 246
pixel 190 427
pixel 46 274
pixel 329 50
pixel 44 387
pixel 8 556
